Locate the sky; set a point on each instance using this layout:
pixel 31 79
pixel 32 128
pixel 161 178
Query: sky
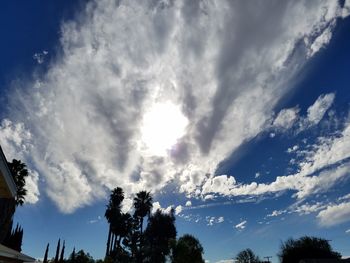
pixel 235 113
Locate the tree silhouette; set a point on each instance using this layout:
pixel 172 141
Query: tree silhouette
pixel 14 238
pixel 80 257
pixel 143 206
pixel 127 242
pixel 71 258
pixel 247 256
pixel 306 248
pixel 113 216
pixel 159 234
pixel 46 253
pixel 131 240
pixel 62 252
pixel 19 173
pixel 58 250
pixel 187 249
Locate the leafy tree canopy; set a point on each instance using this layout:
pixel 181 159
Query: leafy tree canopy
pixel 247 256
pixel 80 257
pixel 306 248
pixel 159 233
pixel 19 173
pixel 187 249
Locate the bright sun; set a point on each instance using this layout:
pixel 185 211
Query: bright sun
pixel 162 126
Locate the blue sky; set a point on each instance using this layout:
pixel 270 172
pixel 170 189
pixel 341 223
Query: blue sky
pixel 236 114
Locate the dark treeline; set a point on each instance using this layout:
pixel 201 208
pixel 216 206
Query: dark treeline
pixel 304 249
pixel 146 237
pixel 141 237
pixel 129 241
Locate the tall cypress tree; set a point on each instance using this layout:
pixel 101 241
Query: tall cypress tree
pixel 72 256
pixel 46 253
pixel 58 251
pixel 62 252
pixel 14 238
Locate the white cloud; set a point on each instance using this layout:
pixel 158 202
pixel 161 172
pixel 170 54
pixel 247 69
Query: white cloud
pixel 276 213
pixel 85 118
pixel 324 166
pixel 32 187
pixel 335 214
pixel 321 41
pixel 293 149
pixel 345 197
pixel 347 231
pixel 40 57
pixel 188 203
pixel 306 209
pixel 346 9
pixel 316 111
pixel 127 205
pixel 155 207
pixel 15 139
pixel 286 118
pixel 219 184
pixel 16 142
pixel 209 197
pixel 178 209
pixel 241 225
pixel 93 221
pixel 211 220
pixel 226 261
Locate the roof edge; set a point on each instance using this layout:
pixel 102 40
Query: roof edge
pixel 11 253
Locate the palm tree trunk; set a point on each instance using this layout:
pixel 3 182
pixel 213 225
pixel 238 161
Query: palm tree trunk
pixel 119 240
pixel 108 251
pixel 141 240
pixel 115 242
pixel 112 241
pixel 141 225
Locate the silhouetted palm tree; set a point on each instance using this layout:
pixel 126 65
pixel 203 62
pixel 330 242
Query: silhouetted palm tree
pixel 113 214
pixel 143 206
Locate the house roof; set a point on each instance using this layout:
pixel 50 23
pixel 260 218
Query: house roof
pixel 13 254
pixel 7 184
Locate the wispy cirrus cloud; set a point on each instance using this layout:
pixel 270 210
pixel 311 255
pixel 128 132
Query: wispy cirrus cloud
pixel 223 65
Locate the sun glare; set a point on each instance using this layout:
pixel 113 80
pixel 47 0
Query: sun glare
pixel 162 126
